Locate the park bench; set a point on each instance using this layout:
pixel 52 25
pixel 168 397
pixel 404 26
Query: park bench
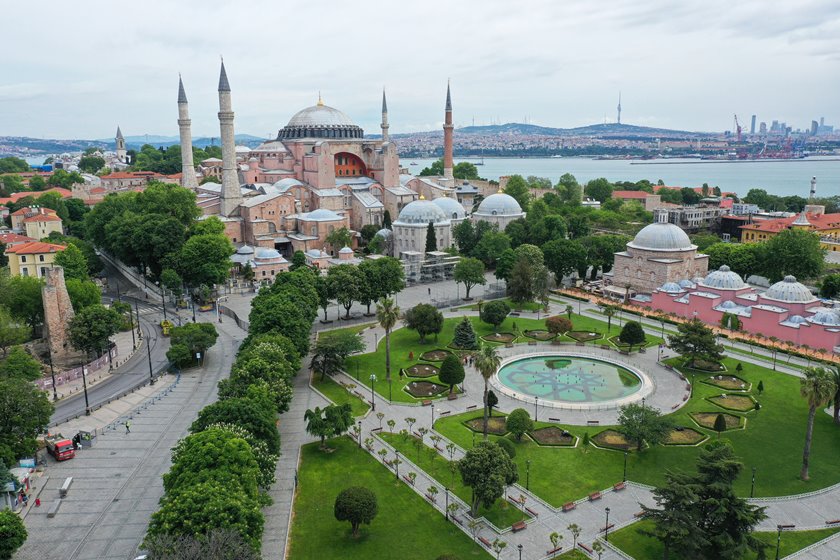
pixel 554 419
pixel 408 480
pixel 685 398
pixel 619 486
pixel 472 407
pixel 642 351
pixel 532 512
pixel 787 527
pixel 669 366
pixel 358 394
pixel 62 492
pixel 508 344
pixel 518 526
pixel 451 397
pixel 675 407
pixel 639 514
pixel 569 506
pixel 445 412
pixel 833 522
pixel 374 430
pixel 485 542
pixel 427 403
pixel 592 422
pixel 532 343
pixel 553 551
pixel 606 528
pixel 417 434
pixel 54 508
pixel 594 496
pixel 624 352
pixel 586 548
pixel 437 448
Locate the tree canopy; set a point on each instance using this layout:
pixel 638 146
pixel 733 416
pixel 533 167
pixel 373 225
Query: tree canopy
pixel 695 341
pixel 425 319
pixel 357 505
pixel 796 252
pixel 494 312
pixel 92 327
pixel 642 424
pixel 469 272
pixel 487 469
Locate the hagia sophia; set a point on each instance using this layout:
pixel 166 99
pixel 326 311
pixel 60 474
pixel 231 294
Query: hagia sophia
pixel 320 174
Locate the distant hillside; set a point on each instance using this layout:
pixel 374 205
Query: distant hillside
pixel 136 142
pixel 22 146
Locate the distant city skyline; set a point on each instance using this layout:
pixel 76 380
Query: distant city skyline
pixel 686 66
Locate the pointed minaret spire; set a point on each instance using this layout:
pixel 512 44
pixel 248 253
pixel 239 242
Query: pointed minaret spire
pixel 384 125
pixel 119 132
pixel 447 137
pixel 122 154
pixel 223 79
pixel 188 178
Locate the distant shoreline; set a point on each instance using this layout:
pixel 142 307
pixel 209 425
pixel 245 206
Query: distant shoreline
pixel 767 160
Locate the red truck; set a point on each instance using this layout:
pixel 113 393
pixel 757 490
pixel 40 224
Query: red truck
pixel 60 447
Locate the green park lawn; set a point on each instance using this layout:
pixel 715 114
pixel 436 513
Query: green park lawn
pixel 502 514
pixel 404 526
pixel 523 306
pixel 405 342
pixel 643 547
pixel 338 394
pixel 559 475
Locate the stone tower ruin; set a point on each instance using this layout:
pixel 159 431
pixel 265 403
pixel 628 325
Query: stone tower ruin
pixel 58 311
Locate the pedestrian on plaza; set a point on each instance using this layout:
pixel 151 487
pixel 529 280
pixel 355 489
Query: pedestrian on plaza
pixel 128 426
pixel 37 502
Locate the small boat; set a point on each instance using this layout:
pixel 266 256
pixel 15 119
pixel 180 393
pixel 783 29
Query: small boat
pixel 413 163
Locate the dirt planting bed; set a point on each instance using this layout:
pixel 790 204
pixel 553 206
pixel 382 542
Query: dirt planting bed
pixel 583 336
pixel 613 439
pixel 435 355
pixel 707 419
pixel 685 436
pixel 540 335
pixel 421 370
pixel 728 382
pixel 421 389
pixel 502 337
pixel 552 435
pixel 741 403
pixel 495 425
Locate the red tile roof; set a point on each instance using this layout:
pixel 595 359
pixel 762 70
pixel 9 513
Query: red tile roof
pixel 631 194
pixel 31 210
pixel 818 222
pixel 35 194
pixel 35 247
pixel 7 238
pixel 42 218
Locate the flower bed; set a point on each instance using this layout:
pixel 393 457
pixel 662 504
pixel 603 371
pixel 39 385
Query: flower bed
pixel 685 436
pixel 420 389
pixel 707 420
pixel 703 365
pixel 421 370
pixel 612 439
pixel 552 435
pixel 583 336
pixel 502 337
pixel 495 425
pixel 728 382
pixel 435 355
pixel 740 403
pixel 540 335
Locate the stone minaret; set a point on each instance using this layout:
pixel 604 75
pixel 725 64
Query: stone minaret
pixel 120 141
pixel 231 195
pixel 384 118
pixel 188 179
pixel 447 137
pixel 58 312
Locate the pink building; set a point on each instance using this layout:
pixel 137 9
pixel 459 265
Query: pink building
pixel 787 310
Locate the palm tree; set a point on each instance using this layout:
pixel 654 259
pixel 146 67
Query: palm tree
pixel 387 313
pixel 609 311
pixel 818 388
pixel 569 311
pixel 487 362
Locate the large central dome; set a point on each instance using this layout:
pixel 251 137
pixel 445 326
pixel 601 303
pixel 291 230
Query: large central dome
pixel 662 236
pixel 320 121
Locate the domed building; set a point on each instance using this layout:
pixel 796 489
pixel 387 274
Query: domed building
pixel 499 209
pixel 410 228
pixel 452 208
pixel 661 253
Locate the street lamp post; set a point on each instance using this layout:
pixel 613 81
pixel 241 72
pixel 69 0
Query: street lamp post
pixel 149 354
pixel 360 434
pixel 162 300
pixel 752 486
pixel 396 461
pixel 84 386
pixel 643 403
pixel 624 479
pixel 528 474
pixel 446 510
pixel 607 526
pixel 432 427
pixel 536 402
pixel 519 548
pixel 372 398
pixel 778 540
pixel 137 313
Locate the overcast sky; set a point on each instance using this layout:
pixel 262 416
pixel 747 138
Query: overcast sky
pixel 77 70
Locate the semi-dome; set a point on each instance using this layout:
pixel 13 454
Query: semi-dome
pixel 671 288
pixel 499 204
pixel 320 121
pixel 384 233
pixel 451 207
pixel 321 215
pixel 421 212
pixel 723 278
pixel 796 319
pixel 789 290
pixel 662 236
pixel 826 317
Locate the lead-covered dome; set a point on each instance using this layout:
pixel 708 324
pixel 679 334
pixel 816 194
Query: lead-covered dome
pixel 662 236
pixel 320 121
pixel 421 212
pixel 724 279
pixel 825 317
pixel 499 204
pixel 671 288
pixel 321 215
pixel 451 207
pixel 789 290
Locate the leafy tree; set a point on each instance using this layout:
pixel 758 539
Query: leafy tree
pixel 818 388
pixel 465 237
pixel 796 252
pixel 11 164
pixel 519 422
pixel 11 331
pixel 465 337
pixel 195 338
pixel 504 264
pixel 22 296
pixel 487 362
pixel 211 225
pixel 519 284
pixel 599 189
pixel 486 469
pixel 19 364
pixel 213 455
pixel 705 240
pixel 217 544
pixel 558 325
pixel 333 420
pixel 367 232
pixel 469 272
pixel 331 349
pixel 695 341
pixel 357 505
pixel 339 239
pixel 24 414
pixel 431 238
pixel 92 327
pixel 275 313
pixel 830 286
pixel 205 259
pixel 424 319
pixel 387 313
pixel 74 263
pixel 699 515
pixel 298 260
pixel 564 256
pixel 64 179
pixel 171 281
pixel 643 424
pixel 257 416
pixel 462 170
pixel 346 284
pixel 632 333
pixel 490 247
pixel 494 312
pixel 507 446
pixel 91 164
pixel 451 372
pixel 82 293
pixel 12 533
pixel 720 424
pixel 518 188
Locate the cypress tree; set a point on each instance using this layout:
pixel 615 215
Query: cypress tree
pixel 386 220
pixel 431 238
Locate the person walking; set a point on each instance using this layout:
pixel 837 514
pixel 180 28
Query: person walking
pixel 128 426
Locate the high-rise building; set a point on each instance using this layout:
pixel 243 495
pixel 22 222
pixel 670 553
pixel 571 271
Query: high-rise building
pixel 752 125
pixel 814 126
pixel 762 128
pixel 618 120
